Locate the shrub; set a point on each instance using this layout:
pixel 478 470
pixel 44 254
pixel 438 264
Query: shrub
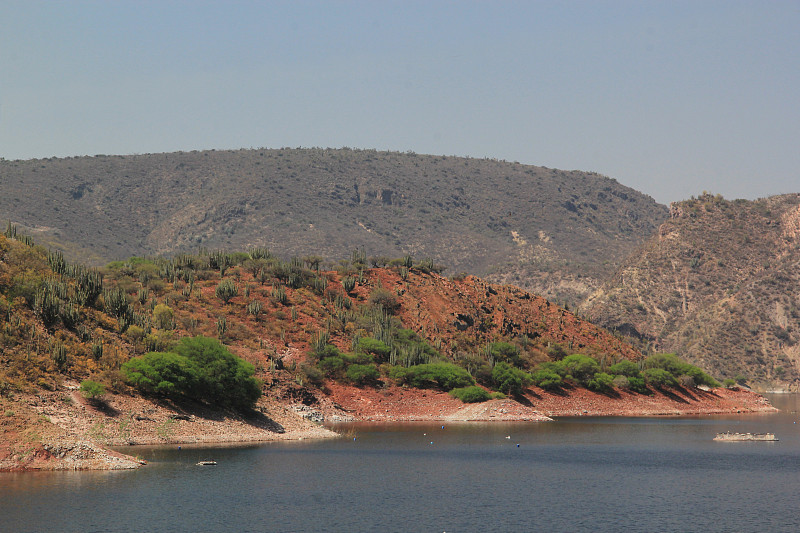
pixel 601 382
pixel 374 347
pixel 505 351
pixel 547 379
pixel 677 367
pixel 626 368
pixel 444 375
pixel 508 379
pixel 92 389
pixel 473 394
pixel 312 374
pixel 361 374
pixel 729 383
pixel 659 378
pixel 637 384
pixel 621 382
pixel 384 299
pixel 163 316
pixel 332 366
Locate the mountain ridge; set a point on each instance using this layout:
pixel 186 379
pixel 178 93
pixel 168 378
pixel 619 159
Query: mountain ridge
pixel 554 232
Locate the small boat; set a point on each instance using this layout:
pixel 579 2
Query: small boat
pixel 728 436
pixel 207 463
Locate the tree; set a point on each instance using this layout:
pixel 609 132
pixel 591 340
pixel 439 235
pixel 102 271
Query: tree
pixel 581 367
pixel 199 368
pixel 508 379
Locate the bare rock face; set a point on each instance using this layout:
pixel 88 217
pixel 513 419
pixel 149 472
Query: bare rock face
pixel 718 286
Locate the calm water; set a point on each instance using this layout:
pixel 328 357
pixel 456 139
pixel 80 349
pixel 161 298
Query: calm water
pixel 585 474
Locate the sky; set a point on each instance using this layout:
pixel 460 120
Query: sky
pixel 671 98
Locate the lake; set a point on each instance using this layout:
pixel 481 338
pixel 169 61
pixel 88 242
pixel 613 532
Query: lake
pixel 574 474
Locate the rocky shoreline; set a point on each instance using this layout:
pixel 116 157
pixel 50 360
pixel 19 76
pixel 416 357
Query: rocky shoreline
pixel 61 430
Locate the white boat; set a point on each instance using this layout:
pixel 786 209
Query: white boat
pixel 728 436
pixel 207 463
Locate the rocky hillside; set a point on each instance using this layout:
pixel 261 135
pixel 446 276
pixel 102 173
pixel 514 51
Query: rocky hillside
pixel 718 285
pixel 554 232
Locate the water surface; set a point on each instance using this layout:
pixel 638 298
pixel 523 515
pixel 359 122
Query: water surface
pixel 574 474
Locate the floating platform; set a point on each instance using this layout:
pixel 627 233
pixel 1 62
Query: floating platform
pixel 735 437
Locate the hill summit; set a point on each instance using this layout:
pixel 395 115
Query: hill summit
pixel 551 231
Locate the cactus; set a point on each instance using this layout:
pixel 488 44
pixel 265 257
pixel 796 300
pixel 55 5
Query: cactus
pixel 46 305
pixel 142 295
pixel 349 283
pixel 59 355
pixel 97 350
pixel 222 326
pixel 254 308
pixel 279 293
pixel 226 290
pixel 57 263
pixel 89 286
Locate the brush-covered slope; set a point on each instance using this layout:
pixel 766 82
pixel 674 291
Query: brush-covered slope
pixel 718 285
pixel 57 323
pixel 551 231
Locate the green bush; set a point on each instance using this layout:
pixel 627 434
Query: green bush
pixel 508 379
pixel 626 368
pixel 199 368
pixel 447 376
pixel 547 379
pixel 506 352
pixel 473 394
pixel 637 384
pixel 659 378
pixel 601 382
pixel 92 389
pixel 332 366
pixel 361 374
pixel 581 367
pixel 678 367
pixel 374 347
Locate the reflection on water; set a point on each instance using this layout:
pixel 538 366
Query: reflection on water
pixel 574 474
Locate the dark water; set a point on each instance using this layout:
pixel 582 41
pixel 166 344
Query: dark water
pixel 585 474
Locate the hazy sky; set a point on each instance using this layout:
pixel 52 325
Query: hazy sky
pixel 671 98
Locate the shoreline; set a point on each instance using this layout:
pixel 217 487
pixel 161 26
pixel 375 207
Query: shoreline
pixel 63 431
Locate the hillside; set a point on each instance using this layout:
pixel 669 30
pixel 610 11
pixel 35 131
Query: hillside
pixel 554 232
pixel 718 285
pixel 321 343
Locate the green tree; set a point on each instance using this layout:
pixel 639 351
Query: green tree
pixel 199 368
pixel 581 367
pixel 508 379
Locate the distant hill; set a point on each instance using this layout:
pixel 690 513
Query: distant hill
pixel 551 231
pixel 717 284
